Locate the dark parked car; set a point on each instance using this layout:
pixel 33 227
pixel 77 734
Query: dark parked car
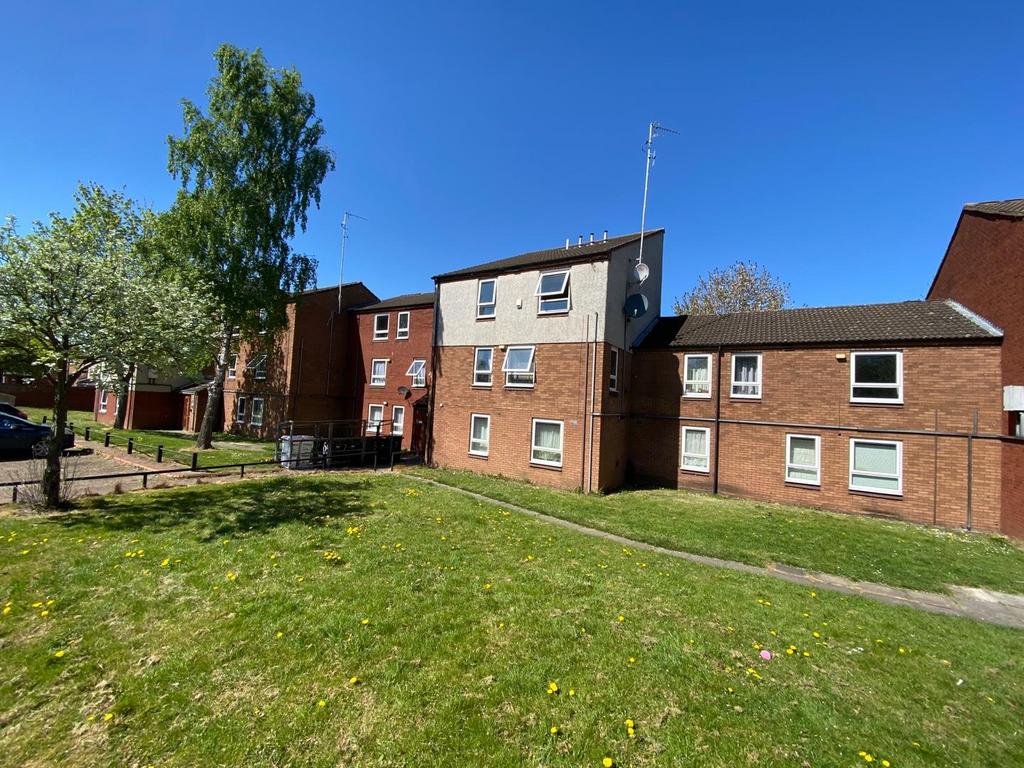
pixel 22 436
pixel 9 410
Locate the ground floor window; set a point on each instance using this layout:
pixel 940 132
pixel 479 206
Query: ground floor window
pixel 547 442
pixel 374 417
pixel 876 466
pixel 103 401
pixel 479 434
pixel 696 449
pixel 803 459
pixel 240 409
pixel 398 420
pixel 257 412
pixel 1017 423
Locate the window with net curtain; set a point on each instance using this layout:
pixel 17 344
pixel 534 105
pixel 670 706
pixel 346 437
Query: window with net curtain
pixel 697 377
pixel 695 449
pixel 876 466
pixel 547 442
pixel 480 435
pixel 746 375
pixel 802 459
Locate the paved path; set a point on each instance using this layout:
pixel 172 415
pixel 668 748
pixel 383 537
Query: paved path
pixel 979 604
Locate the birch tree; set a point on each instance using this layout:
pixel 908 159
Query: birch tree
pixel 250 167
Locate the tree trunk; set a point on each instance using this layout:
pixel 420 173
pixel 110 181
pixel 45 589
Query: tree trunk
pixel 214 393
pixel 55 443
pixel 123 385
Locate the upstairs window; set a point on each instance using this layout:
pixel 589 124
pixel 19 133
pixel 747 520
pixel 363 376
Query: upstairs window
pixel 697 376
pixel 553 293
pixel 258 367
pixel 233 368
pixel 486 297
pixel 613 370
pixel 418 371
pixel 378 373
pixel 876 377
pixel 402 331
pixel 518 367
pixel 746 376
pixel 381 325
pixel 483 365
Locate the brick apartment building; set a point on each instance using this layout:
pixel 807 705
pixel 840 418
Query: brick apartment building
pixel 866 409
pixel 983 268
pixel 531 358
pixel 395 339
pixel 305 372
pixel 151 402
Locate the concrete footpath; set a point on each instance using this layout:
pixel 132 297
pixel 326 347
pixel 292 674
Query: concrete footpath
pixel 967 602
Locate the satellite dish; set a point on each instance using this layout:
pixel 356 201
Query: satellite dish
pixel 404 392
pixel 641 272
pixel 636 306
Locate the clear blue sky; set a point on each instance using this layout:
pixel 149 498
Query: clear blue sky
pixel 834 143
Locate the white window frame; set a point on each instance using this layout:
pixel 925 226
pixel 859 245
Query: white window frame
pixel 258 366
pixel 898 386
pixel 687 382
pixel 400 331
pixel 370 424
pixel 817 459
pixel 613 370
pixel 379 334
pixel 564 293
pixel 530 369
pixel 477 370
pixel 492 304
pixel 240 409
pixel 396 422
pixel 683 454
pixel 233 370
pixel 252 418
pixel 534 447
pixel 373 376
pixel 854 441
pixel 757 382
pixel 104 399
pixel 487 444
pixel 418 373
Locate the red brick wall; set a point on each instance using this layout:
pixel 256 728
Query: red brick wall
pixel 561 393
pixel 1013 489
pixel 145 410
pixel 399 353
pixel 984 270
pixel 810 387
pixel 39 394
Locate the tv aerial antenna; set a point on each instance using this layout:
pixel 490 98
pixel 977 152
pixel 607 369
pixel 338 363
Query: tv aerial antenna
pixel 653 131
pixel 344 238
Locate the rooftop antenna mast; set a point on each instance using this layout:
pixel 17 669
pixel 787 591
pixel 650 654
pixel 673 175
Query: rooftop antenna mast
pixel 344 239
pixel 652 133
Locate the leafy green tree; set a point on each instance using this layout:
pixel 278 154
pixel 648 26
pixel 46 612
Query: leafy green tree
pixel 741 287
pixel 75 292
pixel 249 170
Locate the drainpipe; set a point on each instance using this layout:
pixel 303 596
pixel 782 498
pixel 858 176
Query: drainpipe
pixel 593 390
pixel 718 417
pixel 435 369
pixel 586 432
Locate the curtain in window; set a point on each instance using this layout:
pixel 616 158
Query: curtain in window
pixel 871 460
pixel 695 448
pixel 802 452
pixel 547 441
pixel 745 375
pixel 480 435
pixel 698 377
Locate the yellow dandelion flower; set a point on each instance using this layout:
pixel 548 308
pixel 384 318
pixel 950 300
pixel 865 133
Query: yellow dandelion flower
pixel 107 717
pixel 59 654
pixel 632 659
pixel 608 762
pixel 806 653
pixel 279 634
pixel 364 622
pixel 886 764
pixel 554 730
pixel 629 723
pixel 321 703
pixel 37 605
pixel 7 609
pixel 816 634
pixel 44 613
pixel 621 617
pixel 572 691
pixel 231 576
pixel 165 562
pixel 552 687
pixel 353 680
pixel 487 586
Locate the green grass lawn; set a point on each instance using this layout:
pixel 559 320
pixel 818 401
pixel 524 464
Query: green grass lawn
pixel 365 619
pixel 177 447
pixel 862 548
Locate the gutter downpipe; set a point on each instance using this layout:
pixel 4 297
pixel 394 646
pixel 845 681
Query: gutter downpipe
pixel 718 417
pixel 586 432
pixel 593 389
pixel 428 453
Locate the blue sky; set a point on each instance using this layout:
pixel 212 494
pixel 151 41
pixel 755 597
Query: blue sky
pixel 833 143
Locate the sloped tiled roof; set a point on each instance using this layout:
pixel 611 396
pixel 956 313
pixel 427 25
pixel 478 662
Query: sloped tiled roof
pixel 862 323
pixel 999 207
pixel 549 256
pixel 405 300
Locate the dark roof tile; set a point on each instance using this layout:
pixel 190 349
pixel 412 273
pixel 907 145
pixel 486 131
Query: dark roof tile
pixel 999 207
pixel 405 300
pixel 862 323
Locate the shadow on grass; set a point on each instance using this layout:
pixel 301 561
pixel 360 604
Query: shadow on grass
pixel 213 511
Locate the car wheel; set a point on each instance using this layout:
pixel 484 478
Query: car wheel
pixel 40 449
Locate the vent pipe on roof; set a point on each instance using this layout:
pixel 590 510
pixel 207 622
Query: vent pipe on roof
pixel 567 243
pixel 605 238
pixel 580 241
pixel 591 238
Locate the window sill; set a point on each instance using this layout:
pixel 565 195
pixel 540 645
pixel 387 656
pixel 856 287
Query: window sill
pixel 515 387
pixel 554 467
pixel 697 397
pixel 876 494
pixel 690 471
pixel 805 486
pixel 485 318
pixel 378 386
pixel 482 386
pixel 742 399
pixel 481 456
pixel 557 313
pixel 876 404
